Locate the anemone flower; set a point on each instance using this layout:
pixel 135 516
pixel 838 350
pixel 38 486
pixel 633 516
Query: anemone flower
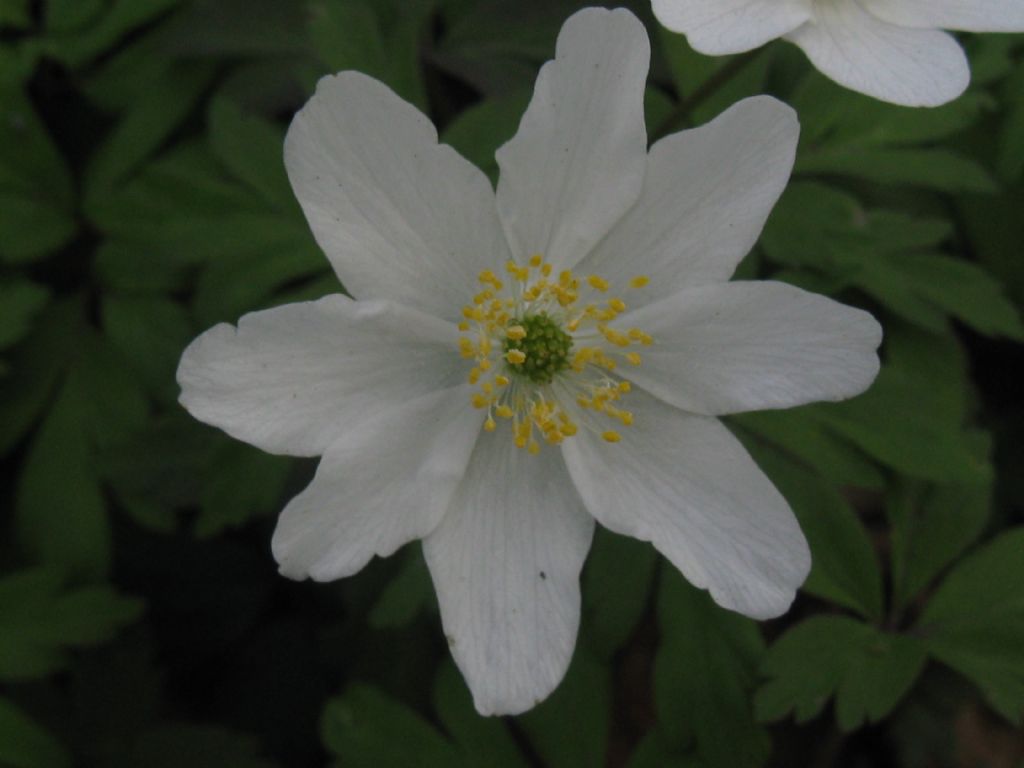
pixel 893 50
pixel 517 364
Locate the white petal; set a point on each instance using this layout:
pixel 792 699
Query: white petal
pixel 966 15
pixel 685 484
pixel 400 216
pixel 748 346
pixel 706 196
pixel 506 561
pixel 387 481
pixel 577 161
pixel 293 379
pixel 717 27
pixel 912 67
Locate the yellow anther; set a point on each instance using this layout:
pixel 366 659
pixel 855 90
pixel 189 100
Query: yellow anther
pixel 615 337
pixel 493 322
pixel 639 281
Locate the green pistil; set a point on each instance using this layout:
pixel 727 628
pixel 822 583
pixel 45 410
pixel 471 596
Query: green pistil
pixel 546 347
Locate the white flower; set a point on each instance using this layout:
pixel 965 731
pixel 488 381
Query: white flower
pixel 431 400
pixel 893 50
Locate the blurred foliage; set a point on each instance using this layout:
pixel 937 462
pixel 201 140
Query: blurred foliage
pixel 143 198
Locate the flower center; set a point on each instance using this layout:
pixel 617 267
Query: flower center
pixel 545 355
pixel 543 345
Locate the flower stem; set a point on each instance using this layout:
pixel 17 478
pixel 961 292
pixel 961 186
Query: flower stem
pixel 680 116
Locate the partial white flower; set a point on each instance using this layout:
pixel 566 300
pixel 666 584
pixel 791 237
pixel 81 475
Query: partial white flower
pixel 893 50
pixel 519 364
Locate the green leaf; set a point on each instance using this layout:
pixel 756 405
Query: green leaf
pixel 252 150
pixel 365 727
pixel 975 622
pixel 20 301
pixel 65 523
pixel 199 746
pixel 151 334
pixel 237 29
pixel 930 527
pixel 834 118
pixel 37 364
pixel 15 13
pixel 704 673
pixel 378 38
pixel 570 727
pixel 36 192
pixel 156 471
pixel 241 483
pixel 485 741
pixel 65 15
pixel 992 226
pixel 478 131
pixel 496 46
pixel 145 126
pixel 120 267
pixel 41 619
pixel 409 593
pixel 689 69
pixel 936 169
pixel 923 286
pixel 868 671
pixel 74 48
pixel 653 751
pixel 1010 161
pixel 900 424
pixel 809 443
pixel 61 515
pixel 844 568
pixel 24 743
pixel 616 585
